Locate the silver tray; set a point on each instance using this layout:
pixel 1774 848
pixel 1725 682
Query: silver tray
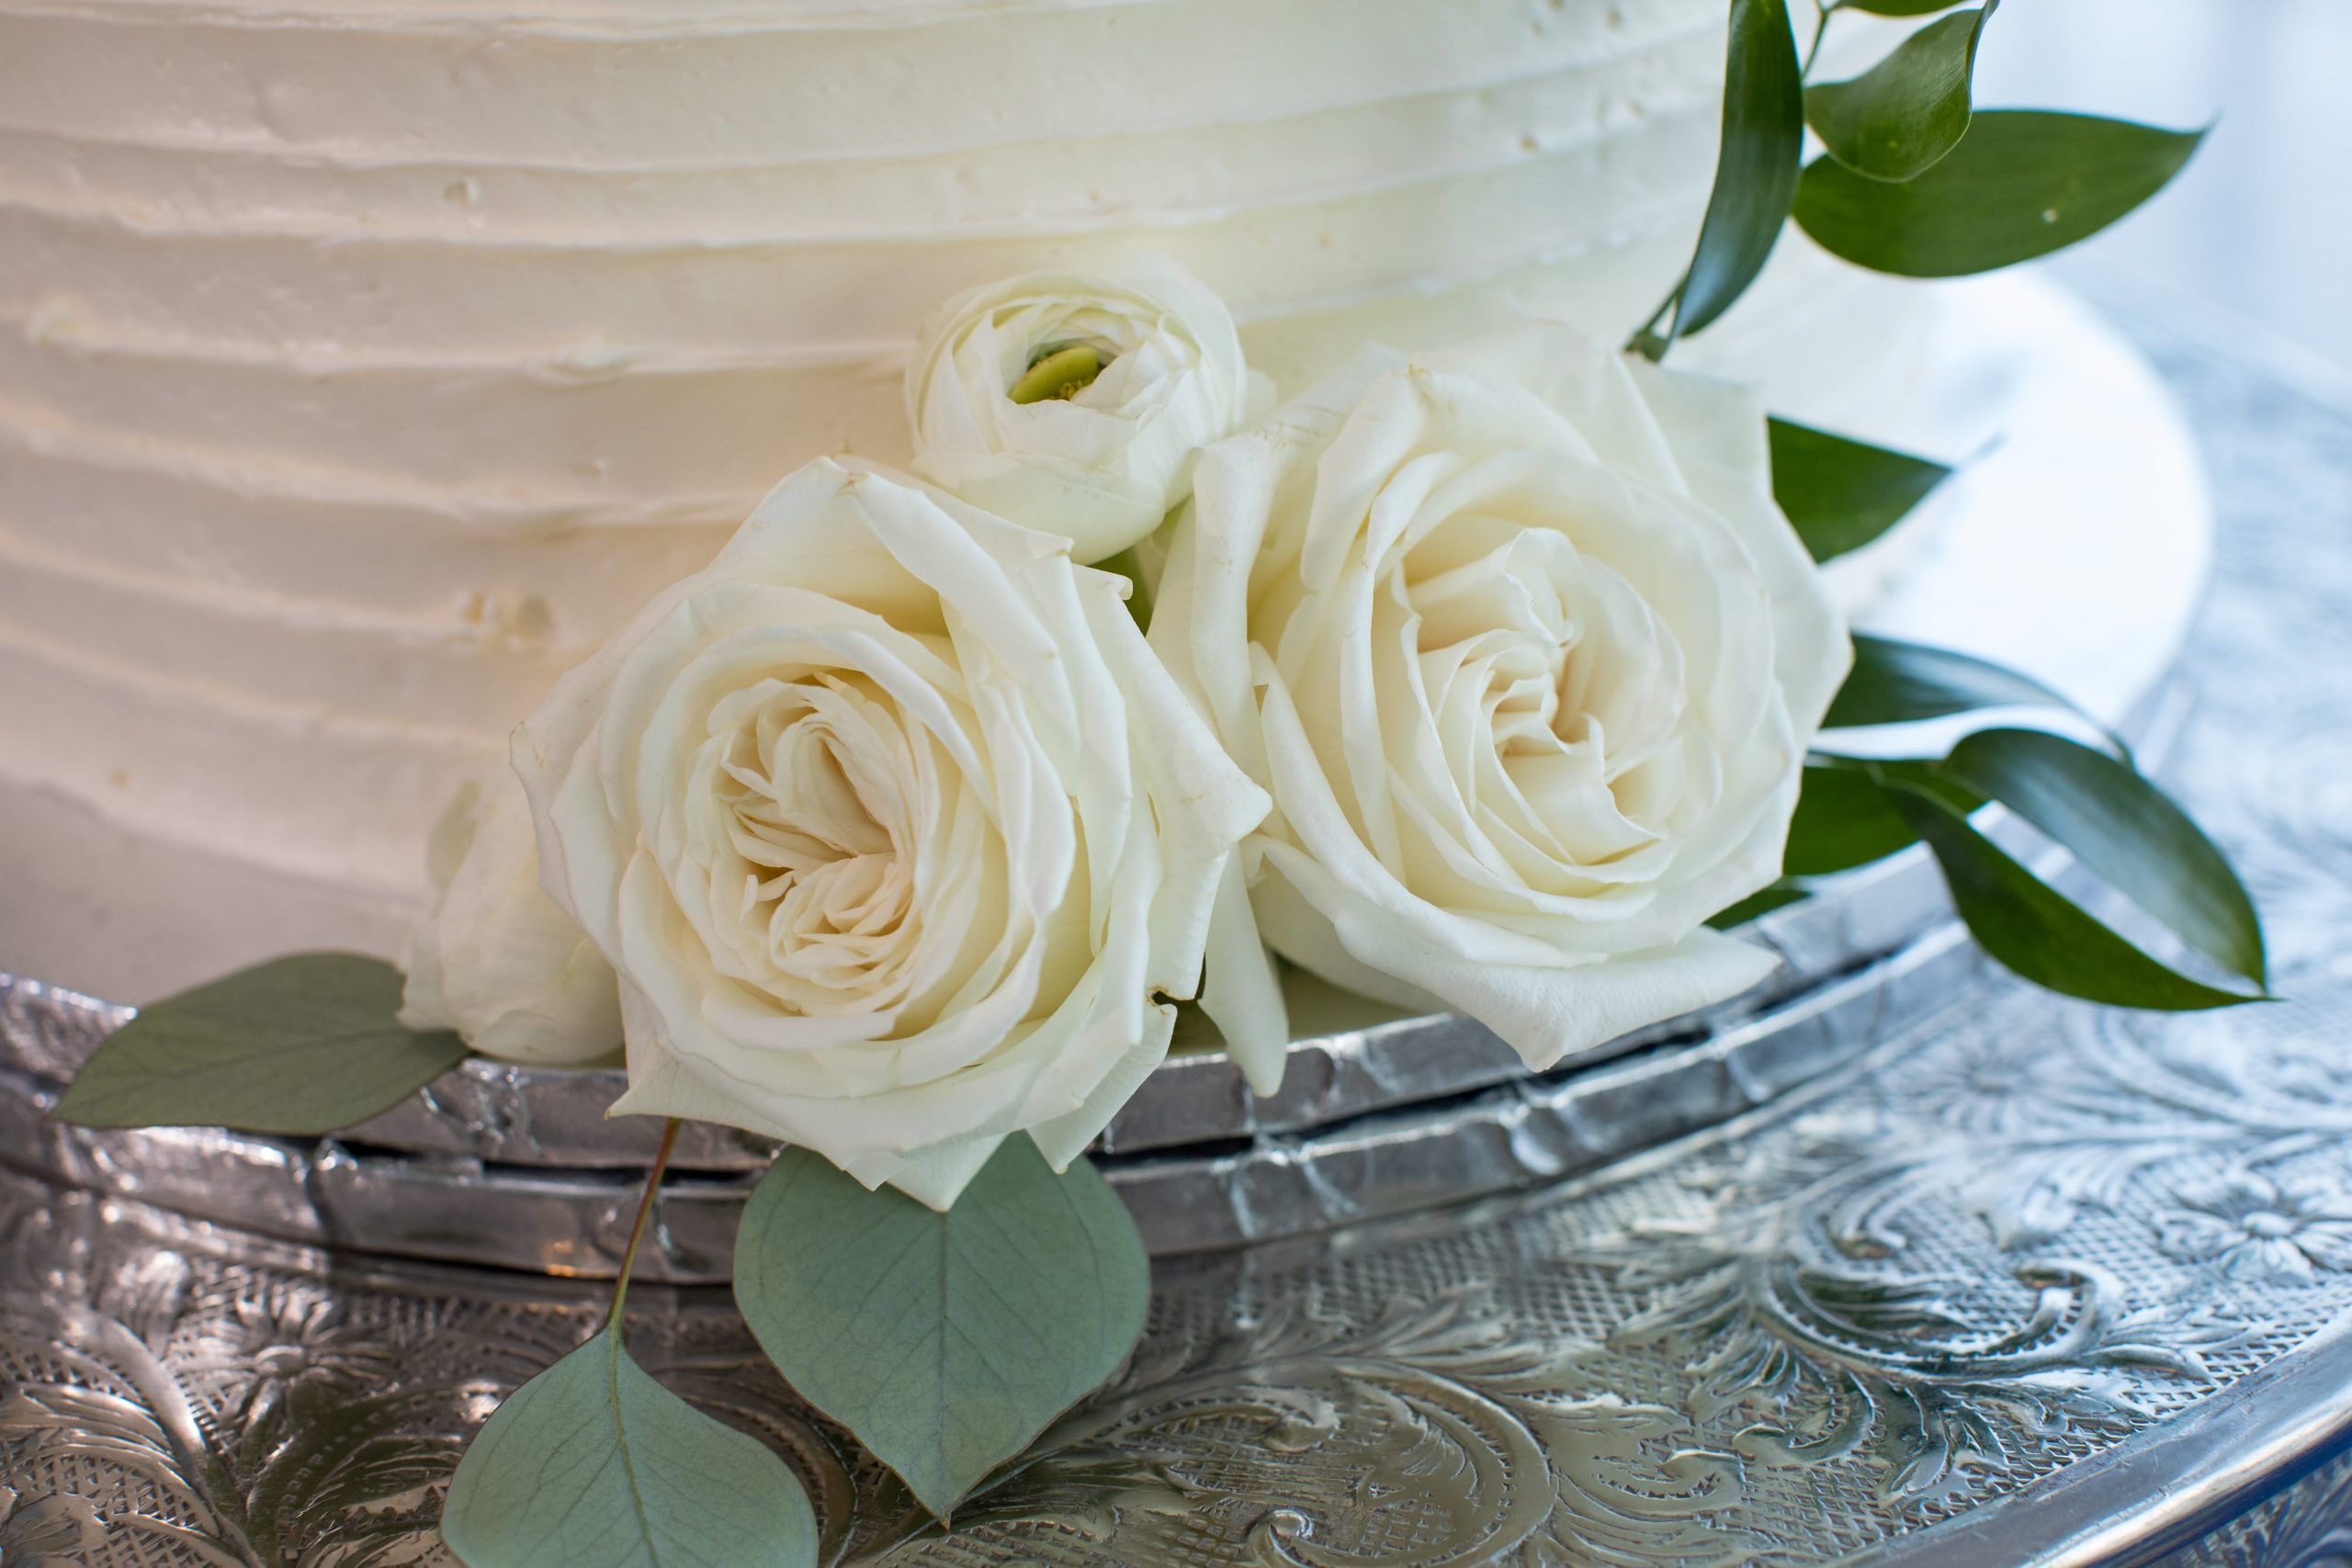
pixel 1354 1057
pixel 2041 1285
pixel 458 1208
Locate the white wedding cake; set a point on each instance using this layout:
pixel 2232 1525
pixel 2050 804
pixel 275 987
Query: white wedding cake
pixel 365 363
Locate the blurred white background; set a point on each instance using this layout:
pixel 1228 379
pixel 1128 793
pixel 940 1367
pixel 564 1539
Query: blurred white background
pixel 2260 224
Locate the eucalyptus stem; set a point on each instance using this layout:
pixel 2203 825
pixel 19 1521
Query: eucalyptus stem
pixel 644 1212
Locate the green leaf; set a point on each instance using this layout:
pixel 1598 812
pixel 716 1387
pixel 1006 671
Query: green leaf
pixel 945 1342
pixel 594 1461
pixel 1841 495
pixel 1756 170
pixel 1896 682
pixel 1844 818
pixel 2036 931
pixel 1899 118
pixel 1895 7
pixel 1778 895
pixel 2126 832
pixel 301 1046
pixel 1128 564
pixel 2021 183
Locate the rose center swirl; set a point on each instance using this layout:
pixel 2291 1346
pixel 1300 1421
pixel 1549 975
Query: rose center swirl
pixel 817 785
pixel 1555 689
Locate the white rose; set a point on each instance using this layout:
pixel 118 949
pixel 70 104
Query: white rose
pixel 494 958
pixel 897 832
pixel 1074 403
pixel 1528 659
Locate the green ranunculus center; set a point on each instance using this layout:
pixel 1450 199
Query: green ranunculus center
pixel 1059 373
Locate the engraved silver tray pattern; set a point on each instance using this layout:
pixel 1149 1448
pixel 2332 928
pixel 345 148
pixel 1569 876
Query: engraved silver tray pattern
pixel 2037 1284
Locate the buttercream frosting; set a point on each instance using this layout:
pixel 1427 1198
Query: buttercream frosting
pixel 363 366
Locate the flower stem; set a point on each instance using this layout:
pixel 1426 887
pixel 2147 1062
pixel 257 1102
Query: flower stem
pixel 1821 9
pixel 1648 341
pixel 644 1212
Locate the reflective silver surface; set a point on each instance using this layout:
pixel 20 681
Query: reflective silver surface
pixel 1355 1057
pixel 2039 1287
pixel 458 1209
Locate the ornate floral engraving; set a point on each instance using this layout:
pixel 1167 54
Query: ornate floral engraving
pixel 46 1532
pixel 1424 1436
pixel 2252 1227
pixel 1834 1352
pixel 245 1433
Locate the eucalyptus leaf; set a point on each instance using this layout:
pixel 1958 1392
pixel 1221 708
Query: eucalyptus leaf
pixel 304 1046
pixel 2022 183
pixel 1839 493
pixel 2126 832
pixel 1844 818
pixel 2036 931
pixel 594 1461
pixel 1756 170
pixel 945 1342
pixel 1896 682
pixel 1900 117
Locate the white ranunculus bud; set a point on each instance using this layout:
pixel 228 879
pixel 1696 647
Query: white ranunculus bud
pixel 1074 403
pixel 1528 659
pixel 494 958
pixel 894 829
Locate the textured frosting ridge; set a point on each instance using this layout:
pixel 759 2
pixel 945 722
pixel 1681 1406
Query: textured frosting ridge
pixel 362 366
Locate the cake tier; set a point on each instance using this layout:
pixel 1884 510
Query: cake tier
pixel 363 366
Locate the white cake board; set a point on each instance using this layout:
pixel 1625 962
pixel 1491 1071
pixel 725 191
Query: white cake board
pixel 2076 541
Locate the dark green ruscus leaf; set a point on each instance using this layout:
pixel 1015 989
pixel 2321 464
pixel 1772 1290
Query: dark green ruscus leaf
pixel 1778 895
pixel 1840 493
pixel 1895 683
pixel 2036 931
pixel 1895 7
pixel 1900 117
pixel 1844 818
pixel 1755 171
pixel 2126 832
pixel 2022 183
